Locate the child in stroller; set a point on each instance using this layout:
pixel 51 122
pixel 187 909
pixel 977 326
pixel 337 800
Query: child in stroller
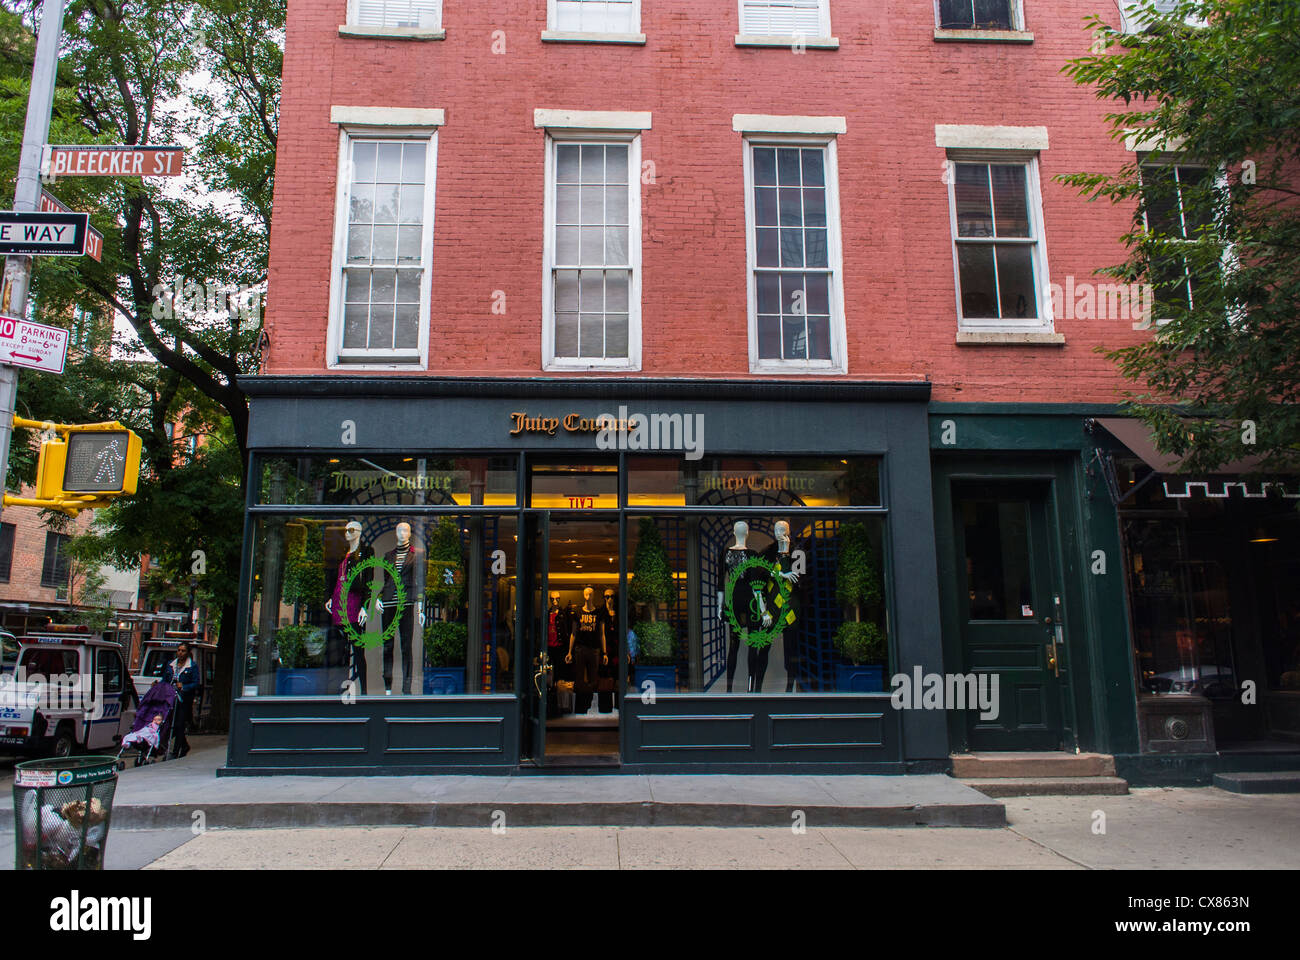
pixel 151 732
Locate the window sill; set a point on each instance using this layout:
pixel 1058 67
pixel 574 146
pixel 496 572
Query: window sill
pixel 561 36
pixel 814 43
pixel 983 36
pixel 378 362
pixel 778 369
pixel 579 366
pixel 392 33
pixel 1005 338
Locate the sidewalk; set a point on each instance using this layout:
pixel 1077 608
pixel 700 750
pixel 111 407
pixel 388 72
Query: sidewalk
pixel 168 795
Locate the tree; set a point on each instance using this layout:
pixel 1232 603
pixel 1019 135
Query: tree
pixel 1215 85
pixel 205 73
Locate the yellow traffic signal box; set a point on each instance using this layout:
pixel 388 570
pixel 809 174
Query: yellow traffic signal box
pixel 85 466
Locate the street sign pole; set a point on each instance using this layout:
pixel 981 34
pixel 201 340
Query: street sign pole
pixel 27 195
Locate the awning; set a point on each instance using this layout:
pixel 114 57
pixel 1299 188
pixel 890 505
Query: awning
pixel 1136 435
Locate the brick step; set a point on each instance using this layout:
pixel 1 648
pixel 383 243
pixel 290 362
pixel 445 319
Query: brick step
pixel 1049 786
pixel 1023 765
pixel 1280 781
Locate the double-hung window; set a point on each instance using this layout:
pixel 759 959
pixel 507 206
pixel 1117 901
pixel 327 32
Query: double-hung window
pixel 1175 207
pixel 56 566
pixel 395 14
pixel 998 243
pixel 796 315
pixel 979 14
pixel 592 294
pixel 594 16
pixel 383 251
pixel 785 18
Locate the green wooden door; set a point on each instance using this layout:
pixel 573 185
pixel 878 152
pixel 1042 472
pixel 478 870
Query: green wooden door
pixel 1008 606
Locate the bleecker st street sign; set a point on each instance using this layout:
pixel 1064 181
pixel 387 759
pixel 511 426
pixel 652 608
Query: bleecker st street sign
pixel 50 234
pixel 93 160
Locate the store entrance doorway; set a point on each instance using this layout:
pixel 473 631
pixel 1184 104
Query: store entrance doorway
pixel 575 616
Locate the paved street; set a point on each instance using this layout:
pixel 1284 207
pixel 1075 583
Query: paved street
pixel 1201 828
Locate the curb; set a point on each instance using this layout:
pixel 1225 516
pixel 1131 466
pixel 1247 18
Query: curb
pixel 232 816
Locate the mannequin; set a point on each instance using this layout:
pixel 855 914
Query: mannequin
pixel 606 701
pixel 355 612
pixel 784 613
pixel 587 640
pixel 736 554
pixel 404 558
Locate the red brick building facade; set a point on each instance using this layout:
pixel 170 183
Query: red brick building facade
pixel 827 236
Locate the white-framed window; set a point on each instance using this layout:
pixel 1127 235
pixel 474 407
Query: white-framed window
pixel 1137 19
pixel 594 16
pixel 591 297
pixel 785 18
pixel 979 14
pixel 1174 206
pixel 380 285
pixel 793 255
pixel 999 253
pixel 396 14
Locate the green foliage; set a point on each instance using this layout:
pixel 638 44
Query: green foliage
pixel 304 568
pixel 444 643
pixel 861 642
pixel 1227 91
pixel 857 582
pixel 652 579
pixel 656 642
pixel 446 552
pixel 291 642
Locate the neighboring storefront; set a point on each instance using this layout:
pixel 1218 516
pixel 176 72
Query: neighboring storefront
pixel 1213 575
pixel 419 554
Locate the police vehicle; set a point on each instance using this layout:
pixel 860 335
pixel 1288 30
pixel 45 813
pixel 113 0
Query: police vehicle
pixel 69 691
pixel 156 653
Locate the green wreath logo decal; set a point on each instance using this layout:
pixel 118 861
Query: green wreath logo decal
pixel 366 641
pixel 747 591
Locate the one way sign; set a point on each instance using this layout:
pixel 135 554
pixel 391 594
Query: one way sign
pixel 49 234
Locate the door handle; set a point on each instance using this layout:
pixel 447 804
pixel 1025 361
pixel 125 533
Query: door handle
pixel 1052 657
pixel 542 678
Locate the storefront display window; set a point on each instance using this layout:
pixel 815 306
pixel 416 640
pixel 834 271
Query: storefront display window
pixel 382 605
pixel 756 603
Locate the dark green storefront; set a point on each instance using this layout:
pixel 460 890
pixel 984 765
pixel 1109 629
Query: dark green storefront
pixel 1126 614
pixel 543 511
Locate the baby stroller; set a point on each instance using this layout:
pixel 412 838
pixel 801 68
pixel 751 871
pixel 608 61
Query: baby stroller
pixel 160 700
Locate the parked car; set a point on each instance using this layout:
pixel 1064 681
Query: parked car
pixel 69 692
pixel 156 653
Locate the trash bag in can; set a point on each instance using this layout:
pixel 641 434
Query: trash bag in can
pixel 62 809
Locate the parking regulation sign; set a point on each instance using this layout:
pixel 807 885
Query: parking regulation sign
pixel 34 345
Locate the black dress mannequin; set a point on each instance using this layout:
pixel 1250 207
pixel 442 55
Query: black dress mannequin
pixel 405 559
pixel 341 649
pixel 749 615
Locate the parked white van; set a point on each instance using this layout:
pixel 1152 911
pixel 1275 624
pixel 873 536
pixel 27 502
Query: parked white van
pixel 68 692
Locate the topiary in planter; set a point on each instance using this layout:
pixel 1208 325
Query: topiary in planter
pixel 291 644
pixel 656 642
pixel 861 642
pixel 857 585
pixel 652 575
pixel 445 572
pixel 444 643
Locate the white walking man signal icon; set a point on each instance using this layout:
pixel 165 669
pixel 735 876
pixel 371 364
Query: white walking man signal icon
pixel 108 459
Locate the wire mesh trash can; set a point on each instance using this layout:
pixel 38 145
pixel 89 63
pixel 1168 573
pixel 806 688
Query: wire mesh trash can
pixel 61 810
